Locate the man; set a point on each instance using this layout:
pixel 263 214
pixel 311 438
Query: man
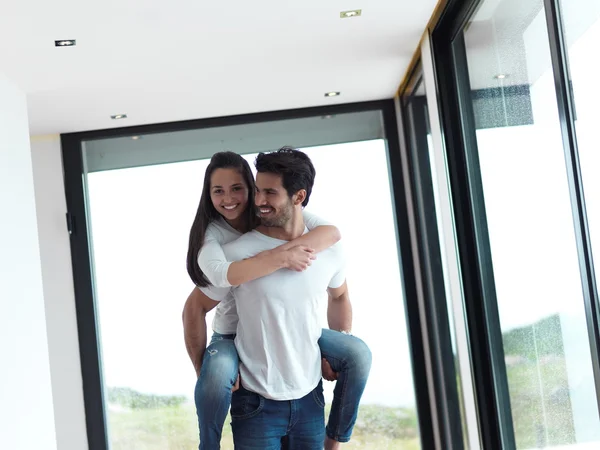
pixel 277 338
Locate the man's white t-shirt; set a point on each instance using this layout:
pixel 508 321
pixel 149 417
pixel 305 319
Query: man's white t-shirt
pixel 279 321
pixel 215 264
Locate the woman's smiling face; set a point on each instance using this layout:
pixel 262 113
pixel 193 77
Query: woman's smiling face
pixel 229 193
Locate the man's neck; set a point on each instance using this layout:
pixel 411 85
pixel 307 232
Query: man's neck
pixel 290 231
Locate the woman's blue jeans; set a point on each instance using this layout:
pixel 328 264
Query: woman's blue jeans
pixel 348 356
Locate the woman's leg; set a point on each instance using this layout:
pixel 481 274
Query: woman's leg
pixel 351 358
pixel 218 374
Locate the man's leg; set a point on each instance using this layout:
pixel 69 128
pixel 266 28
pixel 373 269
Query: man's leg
pixel 213 389
pixel 258 423
pixel 351 359
pixel 307 430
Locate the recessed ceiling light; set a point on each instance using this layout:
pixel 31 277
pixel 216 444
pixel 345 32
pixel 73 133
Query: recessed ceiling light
pixel 501 76
pixel 119 116
pixel 331 94
pixel 65 43
pixel 353 13
pixel 135 138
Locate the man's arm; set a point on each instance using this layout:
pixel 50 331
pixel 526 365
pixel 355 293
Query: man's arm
pixel 194 325
pixel 339 309
pixel 321 234
pixel 318 239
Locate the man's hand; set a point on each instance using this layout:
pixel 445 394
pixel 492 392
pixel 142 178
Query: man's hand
pixel 328 372
pixel 194 326
pixel 236 385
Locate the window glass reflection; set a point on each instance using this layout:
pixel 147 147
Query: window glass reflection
pixel 531 233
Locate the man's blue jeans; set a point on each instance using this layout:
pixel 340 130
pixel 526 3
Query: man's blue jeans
pixel 260 424
pixel 347 355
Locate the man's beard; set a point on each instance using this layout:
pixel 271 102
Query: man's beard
pixel 282 218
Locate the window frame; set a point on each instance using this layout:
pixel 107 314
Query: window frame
pixel 81 252
pixel 442 377
pixel 458 125
pixel 566 110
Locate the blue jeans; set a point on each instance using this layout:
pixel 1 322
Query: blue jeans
pixel 347 355
pixel 260 424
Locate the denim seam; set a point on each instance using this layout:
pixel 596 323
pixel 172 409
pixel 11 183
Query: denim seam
pixel 336 433
pixel 317 400
pixel 261 405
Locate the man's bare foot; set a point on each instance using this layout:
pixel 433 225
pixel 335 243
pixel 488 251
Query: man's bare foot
pixel 330 444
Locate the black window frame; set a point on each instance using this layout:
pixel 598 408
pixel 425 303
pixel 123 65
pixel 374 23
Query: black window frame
pixel 458 127
pixel 567 115
pixel 448 419
pixel 81 257
pixel 481 308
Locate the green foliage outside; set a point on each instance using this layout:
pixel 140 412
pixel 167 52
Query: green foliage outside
pixel 537 378
pixel 147 427
pixel 538 385
pixel 128 398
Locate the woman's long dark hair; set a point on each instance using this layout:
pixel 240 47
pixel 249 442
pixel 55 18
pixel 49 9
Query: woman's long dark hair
pixel 207 213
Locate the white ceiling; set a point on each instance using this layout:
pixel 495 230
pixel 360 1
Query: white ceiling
pixel 160 61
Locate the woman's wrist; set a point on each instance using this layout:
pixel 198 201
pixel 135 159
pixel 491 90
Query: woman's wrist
pixel 278 258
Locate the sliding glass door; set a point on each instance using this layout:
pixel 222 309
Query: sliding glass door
pixel 516 174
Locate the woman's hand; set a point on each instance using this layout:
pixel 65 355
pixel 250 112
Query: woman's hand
pixel 327 371
pixel 299 258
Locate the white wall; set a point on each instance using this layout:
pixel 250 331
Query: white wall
pixel 57 275
pixel 26 410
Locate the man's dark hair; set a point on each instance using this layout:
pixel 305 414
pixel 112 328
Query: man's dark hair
pixel 295 168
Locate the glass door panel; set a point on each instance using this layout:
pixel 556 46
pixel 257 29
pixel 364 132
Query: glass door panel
pixel 142 194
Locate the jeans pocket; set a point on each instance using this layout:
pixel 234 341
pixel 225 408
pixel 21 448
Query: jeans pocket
pixel 318 396
pixel 245 405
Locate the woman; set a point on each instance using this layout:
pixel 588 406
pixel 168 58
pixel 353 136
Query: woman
pixel 226 211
